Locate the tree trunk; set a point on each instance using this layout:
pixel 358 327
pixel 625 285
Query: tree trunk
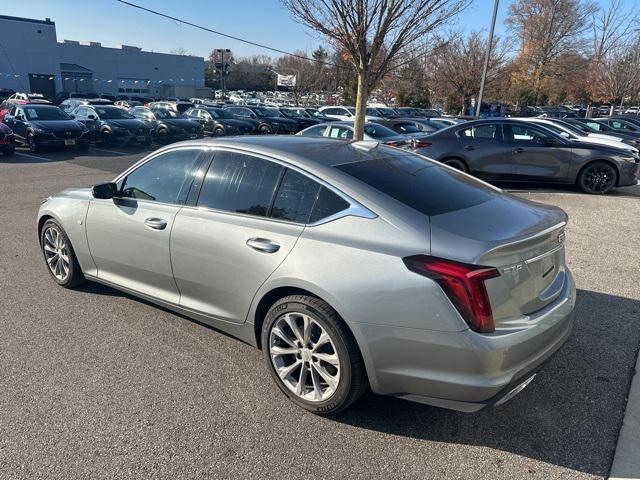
pixel 361 106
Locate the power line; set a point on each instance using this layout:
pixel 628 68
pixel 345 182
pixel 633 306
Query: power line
pixel 206 29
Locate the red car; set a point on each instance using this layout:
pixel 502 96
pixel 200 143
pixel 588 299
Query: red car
pixel 7 141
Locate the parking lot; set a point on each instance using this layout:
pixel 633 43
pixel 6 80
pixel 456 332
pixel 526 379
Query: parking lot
pixel 97 384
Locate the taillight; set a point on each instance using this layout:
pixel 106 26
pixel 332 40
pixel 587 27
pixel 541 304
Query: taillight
pixel 392 143
pixel 464 285
pixel 420 144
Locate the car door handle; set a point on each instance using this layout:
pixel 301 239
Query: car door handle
pixel 156 223
pixel 469 147
pixel 518 150
pixel 263 245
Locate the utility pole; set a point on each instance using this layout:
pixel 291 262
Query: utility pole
pixel 486 59
pixel 222 68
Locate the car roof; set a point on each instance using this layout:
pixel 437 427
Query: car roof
pixel 321 151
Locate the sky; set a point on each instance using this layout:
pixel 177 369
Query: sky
pixel 262 21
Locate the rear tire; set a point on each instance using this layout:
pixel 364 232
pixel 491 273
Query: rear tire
pixel 457 164
pixel 59 256
pixel 265 130
pixel 597 178
pixel 320 367
pixel 218 131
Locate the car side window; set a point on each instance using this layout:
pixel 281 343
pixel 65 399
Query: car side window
pixel 522 133
pixel 487 132
pixel 317 131
pixel 295 198
pixel 339 132
pixel 327 204
pixel 164 178
pixel 240 183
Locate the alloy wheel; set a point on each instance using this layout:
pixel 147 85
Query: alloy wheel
pixel 304 357
pixel 599 178
pixel 56 252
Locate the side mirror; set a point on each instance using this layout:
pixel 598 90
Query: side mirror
pixel 104 190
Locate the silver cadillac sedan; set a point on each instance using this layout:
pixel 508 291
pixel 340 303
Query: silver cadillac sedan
pixel 351 265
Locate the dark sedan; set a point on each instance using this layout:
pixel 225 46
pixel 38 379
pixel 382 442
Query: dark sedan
pixel 7 140
pixel 519 151
pixel 112 125
pixel 299 115
pixel 218 122
pixel 412 126
pixel 267 120
pixel 39 126
pixel 168 125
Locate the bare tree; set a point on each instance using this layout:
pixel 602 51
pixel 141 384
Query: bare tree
pixel 612 27
pixel 372 33
pixel 459 64
pixel 547 29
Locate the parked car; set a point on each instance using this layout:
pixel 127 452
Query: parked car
pixel 418 112
pixel 127 104
pixel 372 131
pixel 602 128
pixel 448 121
pixel 112 125
pixel 343 113
pixel 383 112
pixel 29 97
pixel 267 120
pixel 413 127
pixel 315 113
pixel 350 266
pixel 219 122
pixel 584 129
pixel 516 150
pixel 621 125
pixel 70 104
pixel 178 105
pixel 168 125
pixel 299 115
pixel 571 133
pixel 425 125
pixel 7 140
pixel 632 110
pixel 40 126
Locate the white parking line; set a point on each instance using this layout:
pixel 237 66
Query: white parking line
pixel 33 156
pixel 108 151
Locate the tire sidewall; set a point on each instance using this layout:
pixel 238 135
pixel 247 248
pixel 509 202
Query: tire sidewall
pixel 74 268
pixel 341 395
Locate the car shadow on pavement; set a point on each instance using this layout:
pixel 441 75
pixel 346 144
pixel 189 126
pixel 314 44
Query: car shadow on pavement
pixel 569 416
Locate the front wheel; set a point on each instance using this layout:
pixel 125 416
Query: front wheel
pixel 312 356
pixel 33 144
pixel 265 130
pixel 598 178
pixel 59 255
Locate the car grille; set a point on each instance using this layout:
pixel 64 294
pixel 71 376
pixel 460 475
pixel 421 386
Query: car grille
pixel 67 134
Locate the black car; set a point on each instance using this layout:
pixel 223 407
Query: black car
pixel 412 126
pixel 40 125
pixel 299 115
pixel 621 125
pixel 267 120
pixel 168 125
pixel 218 122
pixel 113 125
pixel 516 150
pixel 417 112
pixel 595 126
pixel 7 140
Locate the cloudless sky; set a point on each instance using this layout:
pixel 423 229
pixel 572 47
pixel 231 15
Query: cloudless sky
pixel 262 21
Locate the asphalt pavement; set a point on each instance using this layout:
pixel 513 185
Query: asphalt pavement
pixel 97 384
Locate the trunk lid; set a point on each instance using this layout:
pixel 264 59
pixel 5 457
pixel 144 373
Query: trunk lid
pixel 523 240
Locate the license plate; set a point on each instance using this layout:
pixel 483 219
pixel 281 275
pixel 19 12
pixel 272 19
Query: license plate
pixel 142 139
pixel 69 142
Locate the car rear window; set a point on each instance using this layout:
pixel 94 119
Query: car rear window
pixel 419 184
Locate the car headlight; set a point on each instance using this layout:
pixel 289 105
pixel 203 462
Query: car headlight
pixel 41 131
pixel 630 159
pixel 119 129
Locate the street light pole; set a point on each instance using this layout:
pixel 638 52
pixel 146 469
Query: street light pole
pixel 223 68
pixel 486 59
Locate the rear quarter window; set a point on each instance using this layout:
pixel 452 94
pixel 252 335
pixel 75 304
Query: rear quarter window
pixel 422 185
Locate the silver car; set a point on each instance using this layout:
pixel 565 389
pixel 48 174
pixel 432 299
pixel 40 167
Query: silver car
pixel 351 264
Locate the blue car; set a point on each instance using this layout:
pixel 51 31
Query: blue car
pixel 39 126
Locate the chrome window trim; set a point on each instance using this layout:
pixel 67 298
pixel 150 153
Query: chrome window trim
pixel 355 209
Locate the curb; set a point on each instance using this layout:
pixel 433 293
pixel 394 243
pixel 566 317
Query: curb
pixel 626 461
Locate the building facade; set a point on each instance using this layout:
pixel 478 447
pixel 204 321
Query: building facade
pixel 33 60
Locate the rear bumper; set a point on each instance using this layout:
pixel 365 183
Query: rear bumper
pixel 463 371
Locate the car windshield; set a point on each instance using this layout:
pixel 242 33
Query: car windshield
pixel 219 113
pixel 378 131
pixel 263 112
pixel 53 113
pixel 112 113
pixel 408 128
pixel 387 111
pixel 352 110
pixel 164 113
pixel 272 112
pixel 419 184
pixel 315 113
